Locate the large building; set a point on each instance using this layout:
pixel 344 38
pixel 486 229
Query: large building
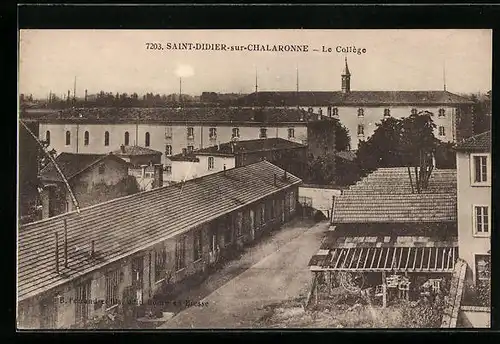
pixel 168 130
pixel 114 255
pixel 474 205
pixel 360 111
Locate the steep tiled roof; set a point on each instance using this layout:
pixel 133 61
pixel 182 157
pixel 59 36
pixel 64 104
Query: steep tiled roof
pixel 72 164
pixel 355 98
pixel 386 196
pixel 126 225
pixel 480 142
pixel 173 115
pixel 135 151
pixel 230 148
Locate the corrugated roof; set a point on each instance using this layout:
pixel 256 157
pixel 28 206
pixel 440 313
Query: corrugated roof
pixel 354 98
pixel 135 151
pixel 385 196
pixel 133 223
pixel 173 115
pixel 231 148
pixel 72 164
pixel 402 253
pixel 480 142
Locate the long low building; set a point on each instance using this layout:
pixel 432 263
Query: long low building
pixel 80 265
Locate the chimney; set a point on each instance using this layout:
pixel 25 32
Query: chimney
pixel 122 147
pixel 284 175
pixel 48 200
pixel 57 253
pixel 85 95
pixel 65 244
pixel 158 175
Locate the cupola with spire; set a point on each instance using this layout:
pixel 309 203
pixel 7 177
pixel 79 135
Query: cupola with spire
pixel 346 79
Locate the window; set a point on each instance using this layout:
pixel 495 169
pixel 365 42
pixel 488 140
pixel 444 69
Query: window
pixel 236 132
pixel 263 133
pixel 197 245
pixel 211 163
pixel 147 139
pixel 106 138
pixel 48 313
pixel 127 138
pixel 480 168
pixel 329 111
pixel 361 129
pixel 180 253
pixel 483 269
pixel 68 138
pixel 414 111
pixel 481 221
pixel 335 112
pixel 86 138
pixel 168 170
pixel 102 169
pixel 82 297
pixel 361 112
pixel 168 132
pixel 212 133
pixel 160 263
pixel 292 201
pixel 168 150
pixel 190 132
pixel 441 131
pixel 320 111
pixel 310 110
pixel 441 113
pixel 291 133
pixel 387 112
pixel 112 281
pixel 238 222
pixel 47 137
pixel 190 149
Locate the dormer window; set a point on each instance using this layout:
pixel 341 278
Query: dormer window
pixel 387 112
pixel 441 113
pixel 361 112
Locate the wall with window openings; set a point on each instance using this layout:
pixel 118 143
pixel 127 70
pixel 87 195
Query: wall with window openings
pixel 168 262
pixel 160 135
pixel 186 170
pixel 473 207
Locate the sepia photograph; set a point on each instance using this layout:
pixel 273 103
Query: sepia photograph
pixel 254 179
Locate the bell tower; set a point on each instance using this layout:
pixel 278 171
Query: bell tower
pixel 346 79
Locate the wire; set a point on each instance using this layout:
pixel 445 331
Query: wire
pixel 73 198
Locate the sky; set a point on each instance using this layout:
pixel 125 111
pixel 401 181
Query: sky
pixel 118 61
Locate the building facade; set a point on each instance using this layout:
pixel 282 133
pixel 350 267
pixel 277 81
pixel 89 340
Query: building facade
pixel 288 155
pixel 474 205
pixel 100 131
pixel 360 111
pixel 109 258
pixel 93 179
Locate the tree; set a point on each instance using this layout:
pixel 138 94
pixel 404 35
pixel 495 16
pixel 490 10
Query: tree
pixel 406 142
pixel 342 138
